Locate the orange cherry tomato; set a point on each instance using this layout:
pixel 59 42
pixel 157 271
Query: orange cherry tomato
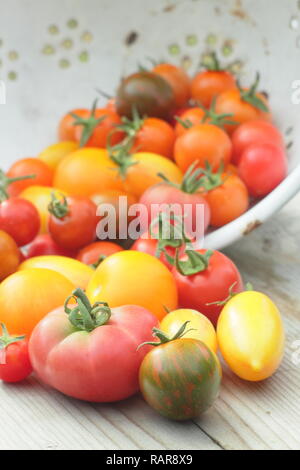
pixel 192 117
pixel 10 255
pixel 93 131
pixel 29 166
pixel 93 253
pixel 209 84
pixel 203 143
pixel 156 136
pixel 67 127
pixel 178 80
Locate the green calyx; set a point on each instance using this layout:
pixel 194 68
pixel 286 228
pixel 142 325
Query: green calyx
pixel 6 339
pixel 86 317
pixel 212 117
pixel 88 124
pixel 58 207
pixel 121 156
pixel 211 180
pixel 190 182
pixel 98 262
pixel 250 96
pixel 164 338
pixel 195 262
pixel 5 181
pixel 231 294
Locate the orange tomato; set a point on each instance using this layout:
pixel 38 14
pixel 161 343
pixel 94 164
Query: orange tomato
pixel 203 143
pixel 192 116
pixel 27 296
pixel 86 171
pixel 156 136
pixel 66 127
pixel 10 255
pixel 178 80
pixel 53 154
pixel 208 84
pixel 29 166
pixel 98 132
pixel 93 253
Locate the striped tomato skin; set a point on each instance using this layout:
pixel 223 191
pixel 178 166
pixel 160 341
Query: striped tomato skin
pixel 180 379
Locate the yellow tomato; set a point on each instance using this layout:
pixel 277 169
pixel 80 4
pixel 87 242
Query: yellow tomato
pixel 78 273
pixel 132 277
pixel 251 336
pixel 27 296
pixel 201 327
pixel 40 196
pixel 144 173
pixel 53 154
pixel 87 172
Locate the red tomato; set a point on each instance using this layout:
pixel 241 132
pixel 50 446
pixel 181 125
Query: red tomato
pixel 14 357
pixel 209 84
pixel 254 132
pixel 67 126
pixel 42 175
pixel 262 167
pixel 73 221
pixel 178 80
pixel 45 245
pixel 20 219
pixel 92 254
pixel 203 277
pixel 98 345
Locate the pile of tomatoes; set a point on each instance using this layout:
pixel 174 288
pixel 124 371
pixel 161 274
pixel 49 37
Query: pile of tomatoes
pixel 99 322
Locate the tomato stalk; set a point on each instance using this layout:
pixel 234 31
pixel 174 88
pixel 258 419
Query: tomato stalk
pixel 86 317
pixel 88 124
pixel 5 340
pixel 5 181
pixel 164 338
pixel 211 62
pixel 194 264
pixel 250 96
pixel 231 294
pixel 58 207
pixel 211 180
pixel 210 117
pixel 98 262
pixel 191 180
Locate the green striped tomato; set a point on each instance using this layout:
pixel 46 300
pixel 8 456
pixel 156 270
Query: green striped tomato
pixel 180 379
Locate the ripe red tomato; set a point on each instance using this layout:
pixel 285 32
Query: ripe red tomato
pixel 178 80
pixel 14 357
pixel 67 126
pixel 20 219
pixel 203 277
pixel 73 221
pixel 93 253
pixel 254 132
pixel 45 245
pixel 41 175
pixel 262 167
pixel 108 338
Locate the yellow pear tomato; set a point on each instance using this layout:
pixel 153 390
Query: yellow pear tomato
pixel 199 325
pixel 251 336
pixel 53 154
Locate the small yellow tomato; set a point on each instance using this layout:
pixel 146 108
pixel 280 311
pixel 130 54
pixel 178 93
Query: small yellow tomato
pixel 201 327
pixel 251 336
pixel 53 154
pixel 40 197
pixel 78 273
pixel 134 278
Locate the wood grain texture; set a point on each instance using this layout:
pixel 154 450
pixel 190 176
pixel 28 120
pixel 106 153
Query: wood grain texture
pixel 246 416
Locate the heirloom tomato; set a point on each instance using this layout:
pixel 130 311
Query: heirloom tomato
pixel 178 80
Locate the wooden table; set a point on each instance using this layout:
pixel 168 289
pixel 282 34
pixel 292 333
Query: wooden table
pixel 246 416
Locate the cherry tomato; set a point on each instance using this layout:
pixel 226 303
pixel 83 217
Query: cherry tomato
pixel 254 132
pixel 191 117
pixel 10 255
pixel 262 167
pixel 44 244
pixel 53 154
pixel 67 126
pixel 15 364
pixel 43 175
pixel 90 352
pixel 148 93
pixel 94 253
pixel 205 277
pixel 149 245
pixel 203 143
pixel 73 221
pixel 207 85
pixel 20 219
pixel 178 80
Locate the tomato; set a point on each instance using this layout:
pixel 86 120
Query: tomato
pixel 254 132
pixel 86 172
pixel 199 326
pixel 263 167
pixel 244 105
pixel 45 245
pixel 41 173
pixel 226 195
pixel 191 117
pixel 28 295
pixel 94 253
pixel 149 245
pixel 131 277
pixel 40 197
pixel 10 255
pixel 204 277
pixel 203 143
pixel 15 364
pixel 150 94
pixel 73 221
pixel 98 345
pixel 77 273
pixel 178 80
pixel 251 336
pixel 20 219
pixel 53 154
pixel 180 378
pixel 67 126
